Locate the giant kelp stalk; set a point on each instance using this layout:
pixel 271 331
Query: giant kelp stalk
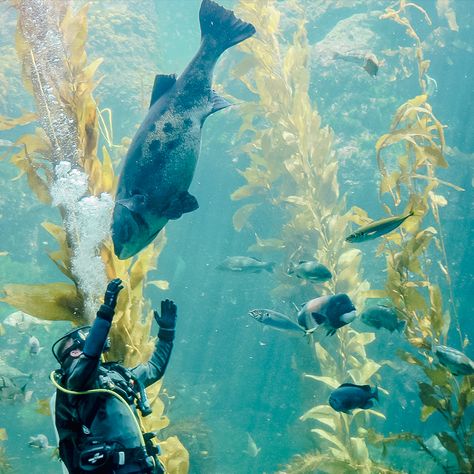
pixel 292 170
pixel 416 152
pixel 61 163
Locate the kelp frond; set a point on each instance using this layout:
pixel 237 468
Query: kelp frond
pixel 293 170
pixel 410 284
pixel 69 133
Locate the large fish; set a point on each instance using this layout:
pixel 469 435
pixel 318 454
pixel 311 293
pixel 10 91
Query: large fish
pixel 332 312
pixel 160 163
pixel 377 228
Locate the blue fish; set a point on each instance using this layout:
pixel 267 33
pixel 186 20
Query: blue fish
pixel 349 396
pixel 160 163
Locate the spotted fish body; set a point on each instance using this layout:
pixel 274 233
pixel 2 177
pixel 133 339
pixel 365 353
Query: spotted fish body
pixel 160 163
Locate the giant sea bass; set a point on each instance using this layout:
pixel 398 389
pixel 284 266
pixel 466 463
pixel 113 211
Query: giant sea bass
pixel 160 163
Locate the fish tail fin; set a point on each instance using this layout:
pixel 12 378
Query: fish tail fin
pixel 270 267
pixel 291 268
pixel 221 28
pixel 401 325
pixel 375 393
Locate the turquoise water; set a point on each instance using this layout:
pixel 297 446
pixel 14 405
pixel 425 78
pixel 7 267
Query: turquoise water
pixel 228 377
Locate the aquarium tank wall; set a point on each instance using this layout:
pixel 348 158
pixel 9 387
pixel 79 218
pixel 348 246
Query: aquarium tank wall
pixel 323 277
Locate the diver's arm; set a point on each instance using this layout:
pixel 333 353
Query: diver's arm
pixel 83 371
pixel 152 371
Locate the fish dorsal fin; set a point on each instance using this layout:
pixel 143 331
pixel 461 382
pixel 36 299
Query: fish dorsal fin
pixel 162 84
pixel 302 261
pixel 218 102
pixel 363 387
pixel 318 317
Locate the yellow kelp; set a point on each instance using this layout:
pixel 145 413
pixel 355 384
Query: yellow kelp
pixel 419 134
pixel 293 171
pixel 62 83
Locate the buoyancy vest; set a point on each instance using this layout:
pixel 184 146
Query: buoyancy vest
pixel 104 421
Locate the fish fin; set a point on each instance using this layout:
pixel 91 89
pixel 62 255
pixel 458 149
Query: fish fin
pixel 318 317
pixel 308 332
pixel 270 267
pixel 181 204
pixel 134 203
pixel 363 387
pixel 302 261
pixel 218 102
pixel 401 325
pixel 162 84
pixel 368 404
pixel 220 28
pixel 375 393
pixel 331 332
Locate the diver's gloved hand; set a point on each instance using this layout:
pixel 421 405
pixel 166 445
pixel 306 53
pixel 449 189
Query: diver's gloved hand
pixel 106 311
pixel 167 320
pixel 112 291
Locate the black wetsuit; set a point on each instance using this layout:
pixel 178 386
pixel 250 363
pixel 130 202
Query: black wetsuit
pixel 85 419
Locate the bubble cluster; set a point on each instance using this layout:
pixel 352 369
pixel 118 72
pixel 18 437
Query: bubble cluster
pixel 86 218
pixel 92 217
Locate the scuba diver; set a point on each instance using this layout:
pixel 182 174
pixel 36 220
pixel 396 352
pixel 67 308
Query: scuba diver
pixel 96 403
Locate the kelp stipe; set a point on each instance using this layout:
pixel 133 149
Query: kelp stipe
pixel 408 252
pixel 293 171
pixel 61 164
pixel 5 466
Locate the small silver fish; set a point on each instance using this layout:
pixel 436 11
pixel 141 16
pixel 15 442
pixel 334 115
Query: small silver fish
pixel 310 270
pixel 9 390
pixel 377 228
pixel 455 361
pixel 252 449
pixel 39 441
pixel 277 320
pixel 34 346
pixel 11 372
pixel 23 321
pixel 245 265
pixel 368 61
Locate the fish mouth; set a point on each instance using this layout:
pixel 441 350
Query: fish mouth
pixel 349 316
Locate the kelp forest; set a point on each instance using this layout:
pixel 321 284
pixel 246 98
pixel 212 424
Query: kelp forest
pixel 342 148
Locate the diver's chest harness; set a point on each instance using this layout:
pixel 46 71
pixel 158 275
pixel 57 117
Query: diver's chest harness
pixel 96 453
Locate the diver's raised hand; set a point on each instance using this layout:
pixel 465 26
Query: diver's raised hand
pixel 167 320
pixel 112 291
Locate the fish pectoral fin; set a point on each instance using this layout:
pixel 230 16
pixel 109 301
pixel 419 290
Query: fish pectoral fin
pixel 368 404
pixel 319 318
pixel 162 84
pixel 181 204
pixel 218 103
